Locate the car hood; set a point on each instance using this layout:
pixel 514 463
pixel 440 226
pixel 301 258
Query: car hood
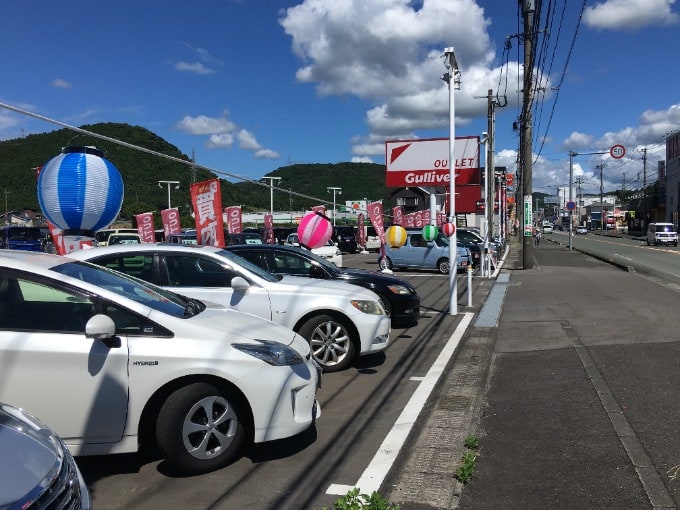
pixel 369 275
pixel 32 456
pixel 244 327
pixel 316 287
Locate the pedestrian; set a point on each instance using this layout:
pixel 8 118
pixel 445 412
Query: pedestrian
pixel 537 236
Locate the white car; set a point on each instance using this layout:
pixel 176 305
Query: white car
pixel 329 251
pixel 340 320
pixel 581 230
pixel 111 362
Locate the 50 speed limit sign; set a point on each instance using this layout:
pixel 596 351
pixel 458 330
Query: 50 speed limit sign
pixel 617 151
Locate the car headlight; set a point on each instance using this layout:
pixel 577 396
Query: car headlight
pixel 369 307
pixel 272 353
pixel 399 289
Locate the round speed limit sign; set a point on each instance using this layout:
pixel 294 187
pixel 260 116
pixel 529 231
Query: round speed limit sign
pixel 617 151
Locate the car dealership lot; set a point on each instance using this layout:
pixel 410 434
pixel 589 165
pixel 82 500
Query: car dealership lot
pixel 360 405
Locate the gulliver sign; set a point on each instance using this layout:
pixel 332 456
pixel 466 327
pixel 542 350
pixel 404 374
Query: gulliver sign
pixel 426 162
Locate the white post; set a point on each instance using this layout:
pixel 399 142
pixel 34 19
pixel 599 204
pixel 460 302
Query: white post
pixel 452 77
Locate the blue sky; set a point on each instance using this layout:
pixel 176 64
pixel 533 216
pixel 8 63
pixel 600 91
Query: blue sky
pixel 253 85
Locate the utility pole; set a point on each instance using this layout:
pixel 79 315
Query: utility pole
pixel 526 149
pixel 600 167
pixel 644 184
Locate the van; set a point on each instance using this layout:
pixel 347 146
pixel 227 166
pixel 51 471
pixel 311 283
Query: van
pixel 372 240
pixel 662 233
pixel 102 236
pixel 418 253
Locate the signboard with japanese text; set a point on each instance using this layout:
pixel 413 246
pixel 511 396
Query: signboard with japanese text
pixel 207 203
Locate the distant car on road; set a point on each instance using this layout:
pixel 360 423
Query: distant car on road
pixel 399 297
pixel 581 229
pixel 662 233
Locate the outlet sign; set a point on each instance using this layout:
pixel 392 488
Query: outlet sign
pixel 426 162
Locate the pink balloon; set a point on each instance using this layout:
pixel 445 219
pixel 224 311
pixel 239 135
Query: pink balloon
pixel 314 230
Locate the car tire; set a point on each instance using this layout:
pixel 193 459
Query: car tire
pixel 443 266
pixel 199 429
pixel 331 342
pixel 384 262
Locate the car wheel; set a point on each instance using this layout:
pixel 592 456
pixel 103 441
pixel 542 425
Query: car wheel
pixel 199 429
pixel 443 266
pixel 330 341
pixel 384 262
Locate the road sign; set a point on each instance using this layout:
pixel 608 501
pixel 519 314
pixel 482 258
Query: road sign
pixel 617 151
pixel 571 205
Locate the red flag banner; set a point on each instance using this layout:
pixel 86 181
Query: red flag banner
pixel 207 202
pixel 409 220
pixel 234 221
pixel 269 229
pixel 361 233
pixel 375 214
pixel 418 215
pixel 57 235
pixel 397 215
pixel 145 227
pixel 170 219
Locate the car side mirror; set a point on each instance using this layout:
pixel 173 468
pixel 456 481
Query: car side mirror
pixel 239 284
pixel 101 327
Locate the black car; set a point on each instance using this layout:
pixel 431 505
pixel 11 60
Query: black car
pixel 345 238
pixel 399 298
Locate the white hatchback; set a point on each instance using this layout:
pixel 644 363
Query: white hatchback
pixel 112 362
pixel 340 320
pixel 329 251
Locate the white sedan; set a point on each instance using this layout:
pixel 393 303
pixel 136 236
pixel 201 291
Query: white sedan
pixel 340 320
pixel 111 361
pixel 329 251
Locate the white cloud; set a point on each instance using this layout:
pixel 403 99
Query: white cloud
pixel 204 125
pixel 266 154
pixel 220 141
pixel 247 140
pixel 389 53
pixel 193 67
pixel 61 84
pixel 630 14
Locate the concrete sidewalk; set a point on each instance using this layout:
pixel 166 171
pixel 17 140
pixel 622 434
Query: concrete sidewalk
pixel 571 392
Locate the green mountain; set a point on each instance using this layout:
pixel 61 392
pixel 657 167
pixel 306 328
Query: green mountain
pixel 20 158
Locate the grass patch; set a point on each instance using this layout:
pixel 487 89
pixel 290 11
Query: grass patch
pixel 355 501
pixel 467 462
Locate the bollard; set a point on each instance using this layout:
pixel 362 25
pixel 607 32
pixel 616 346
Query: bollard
pixel 469 281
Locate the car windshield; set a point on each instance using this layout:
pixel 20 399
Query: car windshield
pixel 131 288
pixel 248 265
pixel 665 228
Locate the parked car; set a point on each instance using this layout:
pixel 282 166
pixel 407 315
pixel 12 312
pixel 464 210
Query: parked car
pixel 345 238
pixel 329 251
pixel 341 321
pixel 38 470
pixel 102 236
pixel 124 238
pixel 547 228
pixel 421 254
pixel 372 239
pixel 399 298
pixel 662 233
pixel 188 238
pixel 465 234
pixel 242 238
pixel 114 363
pixel 581 229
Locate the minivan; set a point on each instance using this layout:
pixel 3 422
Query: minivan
pixel 662 233
pixel 419 253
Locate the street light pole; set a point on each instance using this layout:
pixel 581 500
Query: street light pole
pixel 271 192
pixel 169 183
pixel 334 190
pixel 452 77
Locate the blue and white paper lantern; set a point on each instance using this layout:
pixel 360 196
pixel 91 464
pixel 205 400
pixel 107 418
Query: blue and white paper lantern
pixel 79 189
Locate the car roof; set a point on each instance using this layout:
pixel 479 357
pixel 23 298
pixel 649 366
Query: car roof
pixel 118 248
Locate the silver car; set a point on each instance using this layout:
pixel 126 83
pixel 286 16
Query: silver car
pixel 37 471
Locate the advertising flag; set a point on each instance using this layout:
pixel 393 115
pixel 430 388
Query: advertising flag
pixel 234 221
pixel 145 227
pixel 207 202
pixel 170 220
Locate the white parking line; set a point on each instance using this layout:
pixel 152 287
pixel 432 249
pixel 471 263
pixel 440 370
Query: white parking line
pixel 382 461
